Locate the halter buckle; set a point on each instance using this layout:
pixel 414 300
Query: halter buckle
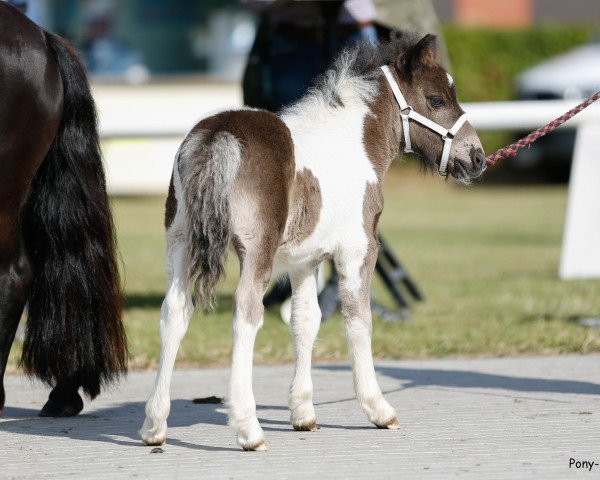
pixel 407 110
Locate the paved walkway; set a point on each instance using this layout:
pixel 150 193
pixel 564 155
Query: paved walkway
pixel 490 418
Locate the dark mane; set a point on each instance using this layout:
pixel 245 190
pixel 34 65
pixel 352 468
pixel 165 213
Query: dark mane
pixel 366 57
pixel 357 65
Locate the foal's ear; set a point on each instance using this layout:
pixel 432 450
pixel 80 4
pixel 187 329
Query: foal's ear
pixel 423 53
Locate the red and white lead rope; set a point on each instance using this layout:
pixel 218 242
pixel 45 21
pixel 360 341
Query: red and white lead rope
pixel 512 149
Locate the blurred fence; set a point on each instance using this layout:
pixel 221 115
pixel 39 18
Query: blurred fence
pixel 142 127
pixel 580 255
pixel 141 130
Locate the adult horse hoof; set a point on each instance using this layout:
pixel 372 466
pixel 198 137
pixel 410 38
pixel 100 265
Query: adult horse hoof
pixel 62 407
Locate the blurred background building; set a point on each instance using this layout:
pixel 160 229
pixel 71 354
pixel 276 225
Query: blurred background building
pixel 214 36
pixel 131 39
pixel 187 57
pixel 516 13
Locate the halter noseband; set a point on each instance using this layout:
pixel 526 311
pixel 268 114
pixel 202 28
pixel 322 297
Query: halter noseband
pixel 406 112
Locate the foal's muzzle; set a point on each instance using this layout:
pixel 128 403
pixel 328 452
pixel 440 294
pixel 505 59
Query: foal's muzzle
pixel 479 162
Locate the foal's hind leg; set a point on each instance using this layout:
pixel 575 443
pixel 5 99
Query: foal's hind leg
pixel 355 284
pixel 175 314
pixel 305 323
pixel 256 267
pixel 15 281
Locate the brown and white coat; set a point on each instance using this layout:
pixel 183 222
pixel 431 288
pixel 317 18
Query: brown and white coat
pixel 286 191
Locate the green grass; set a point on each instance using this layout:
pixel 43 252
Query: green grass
pixel 486 258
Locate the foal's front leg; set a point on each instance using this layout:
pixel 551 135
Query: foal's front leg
pixel 305 323
pixel 355 285
pixel 175 313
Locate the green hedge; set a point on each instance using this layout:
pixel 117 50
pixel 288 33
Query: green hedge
pixel 485 62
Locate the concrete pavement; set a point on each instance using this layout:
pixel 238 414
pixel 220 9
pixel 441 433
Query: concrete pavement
pixel 476 418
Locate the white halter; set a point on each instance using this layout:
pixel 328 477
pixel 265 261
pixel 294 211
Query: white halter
pixel 406 112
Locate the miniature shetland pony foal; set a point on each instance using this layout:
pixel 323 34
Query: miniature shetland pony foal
pixel 286 191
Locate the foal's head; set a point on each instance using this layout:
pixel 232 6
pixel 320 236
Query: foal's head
pixel 430 91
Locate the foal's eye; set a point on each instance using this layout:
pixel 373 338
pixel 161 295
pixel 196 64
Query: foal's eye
pixel 436 101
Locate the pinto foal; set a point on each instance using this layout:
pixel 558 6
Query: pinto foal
pixel 285 192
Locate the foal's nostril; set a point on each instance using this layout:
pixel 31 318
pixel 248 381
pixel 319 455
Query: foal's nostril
pixel 478 159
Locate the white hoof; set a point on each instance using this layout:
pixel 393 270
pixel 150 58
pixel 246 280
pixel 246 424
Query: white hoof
pixel 383 415
pixel 303 418
pixel 154 433
pixel 249 435
pixel 261 447
pixel 391 424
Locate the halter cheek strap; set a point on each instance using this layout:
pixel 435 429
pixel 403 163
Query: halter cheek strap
pixel 407 113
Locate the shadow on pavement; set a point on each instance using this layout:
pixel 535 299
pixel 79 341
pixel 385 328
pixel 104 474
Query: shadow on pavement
pixel 117 424
pixel 412 378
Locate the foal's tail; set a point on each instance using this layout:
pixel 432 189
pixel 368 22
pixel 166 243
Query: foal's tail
pixel 208 170
pixel 74 329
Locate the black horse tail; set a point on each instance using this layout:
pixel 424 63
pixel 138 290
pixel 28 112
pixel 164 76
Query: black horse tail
pixel 74 328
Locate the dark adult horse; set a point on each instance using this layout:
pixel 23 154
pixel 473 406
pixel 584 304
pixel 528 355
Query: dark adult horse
pixel 57 247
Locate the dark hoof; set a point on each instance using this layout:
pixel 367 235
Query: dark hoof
pixel 62 407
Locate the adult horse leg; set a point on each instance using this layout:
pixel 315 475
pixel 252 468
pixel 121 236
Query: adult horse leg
pixel 175 314
pixel 256 261
pixel 15 281
pixel 355 284
pixel 64 400
pixel 305 323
